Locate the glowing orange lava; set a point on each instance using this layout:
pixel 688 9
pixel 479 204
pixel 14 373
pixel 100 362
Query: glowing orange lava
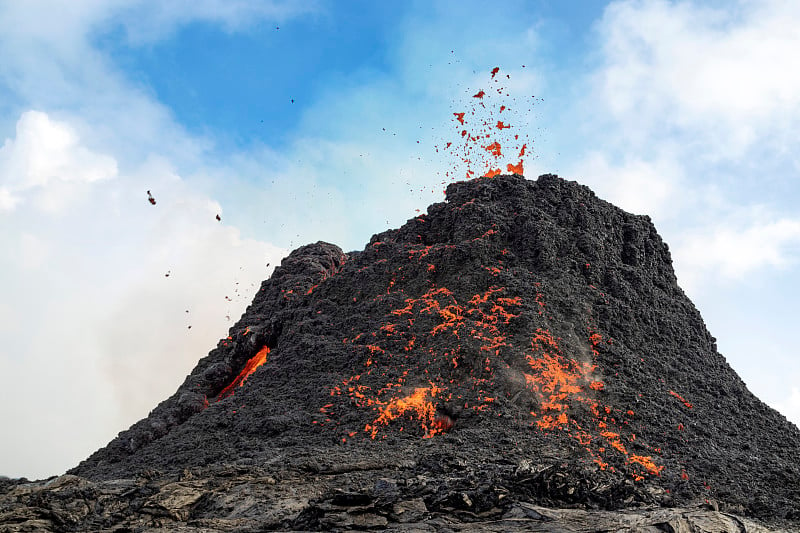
pixel 494 149
pixel 417 405
pixel 482 135
pixel 561 384
pixel 681 398
pixel 405 380
pixel 252 364
pixel 515 169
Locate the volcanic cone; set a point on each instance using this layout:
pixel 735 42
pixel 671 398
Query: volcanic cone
pixel 521 341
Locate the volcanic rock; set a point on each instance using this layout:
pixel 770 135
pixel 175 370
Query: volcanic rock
pixel 519 357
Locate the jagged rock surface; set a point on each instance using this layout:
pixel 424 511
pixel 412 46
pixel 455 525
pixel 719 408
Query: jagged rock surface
pixel 523 343
pixel 253 499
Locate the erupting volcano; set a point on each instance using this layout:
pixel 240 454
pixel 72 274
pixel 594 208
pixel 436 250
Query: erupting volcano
pixel 521 349
pixel 523 341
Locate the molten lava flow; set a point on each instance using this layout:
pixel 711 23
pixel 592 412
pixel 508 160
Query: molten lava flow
pixel 400 352
pixel 556 379
pixel 478 322
pixel 416 405
pixel 252 364
pixel 561 383
pixel 648 463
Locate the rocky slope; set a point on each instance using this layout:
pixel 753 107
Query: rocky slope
pixel 522 344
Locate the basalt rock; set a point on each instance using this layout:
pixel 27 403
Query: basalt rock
pixel 519 357
pixel 251 499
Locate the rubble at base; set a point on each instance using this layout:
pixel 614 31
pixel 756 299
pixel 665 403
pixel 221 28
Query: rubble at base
pixel 374 497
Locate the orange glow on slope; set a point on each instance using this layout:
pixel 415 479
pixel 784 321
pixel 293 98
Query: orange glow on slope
pixel 403 373
pixel 561 383
pixel 252 364
pixel 556 379
pixel 416 405
pixel 648 463
pixel 477 322
pixel 681 398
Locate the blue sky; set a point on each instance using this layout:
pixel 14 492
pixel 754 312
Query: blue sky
pixel 686 111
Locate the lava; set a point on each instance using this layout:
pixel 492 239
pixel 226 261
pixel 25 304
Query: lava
pixel 399 356
pixel 494 149
pixel 417 405
pixel 252 364
pixel 482 136
pixel 560 383
pixel 682 399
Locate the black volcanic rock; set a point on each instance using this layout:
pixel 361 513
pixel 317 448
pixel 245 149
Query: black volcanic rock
pixel 524 341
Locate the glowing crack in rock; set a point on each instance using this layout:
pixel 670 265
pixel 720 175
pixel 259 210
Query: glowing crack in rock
pixel 252 364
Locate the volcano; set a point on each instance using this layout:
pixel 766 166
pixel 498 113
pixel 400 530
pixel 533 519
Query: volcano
pixel 522 346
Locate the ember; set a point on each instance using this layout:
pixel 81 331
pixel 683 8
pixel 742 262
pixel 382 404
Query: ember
pixel 485 134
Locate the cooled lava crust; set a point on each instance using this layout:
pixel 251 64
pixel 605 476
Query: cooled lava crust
pixel 524 331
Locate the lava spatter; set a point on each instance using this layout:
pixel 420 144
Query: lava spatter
pixel 409 374
pixel 483 136
pixel 561 384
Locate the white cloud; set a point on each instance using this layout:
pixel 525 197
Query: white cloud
pixel 148 21
pixel 636 185
pixel 732 251
pixel 144 21
pixel 725 77
pixel 7 200
pixel 33 251
pixel 86 255
pixel 110 333
pixel 687 102
pixel 45 150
